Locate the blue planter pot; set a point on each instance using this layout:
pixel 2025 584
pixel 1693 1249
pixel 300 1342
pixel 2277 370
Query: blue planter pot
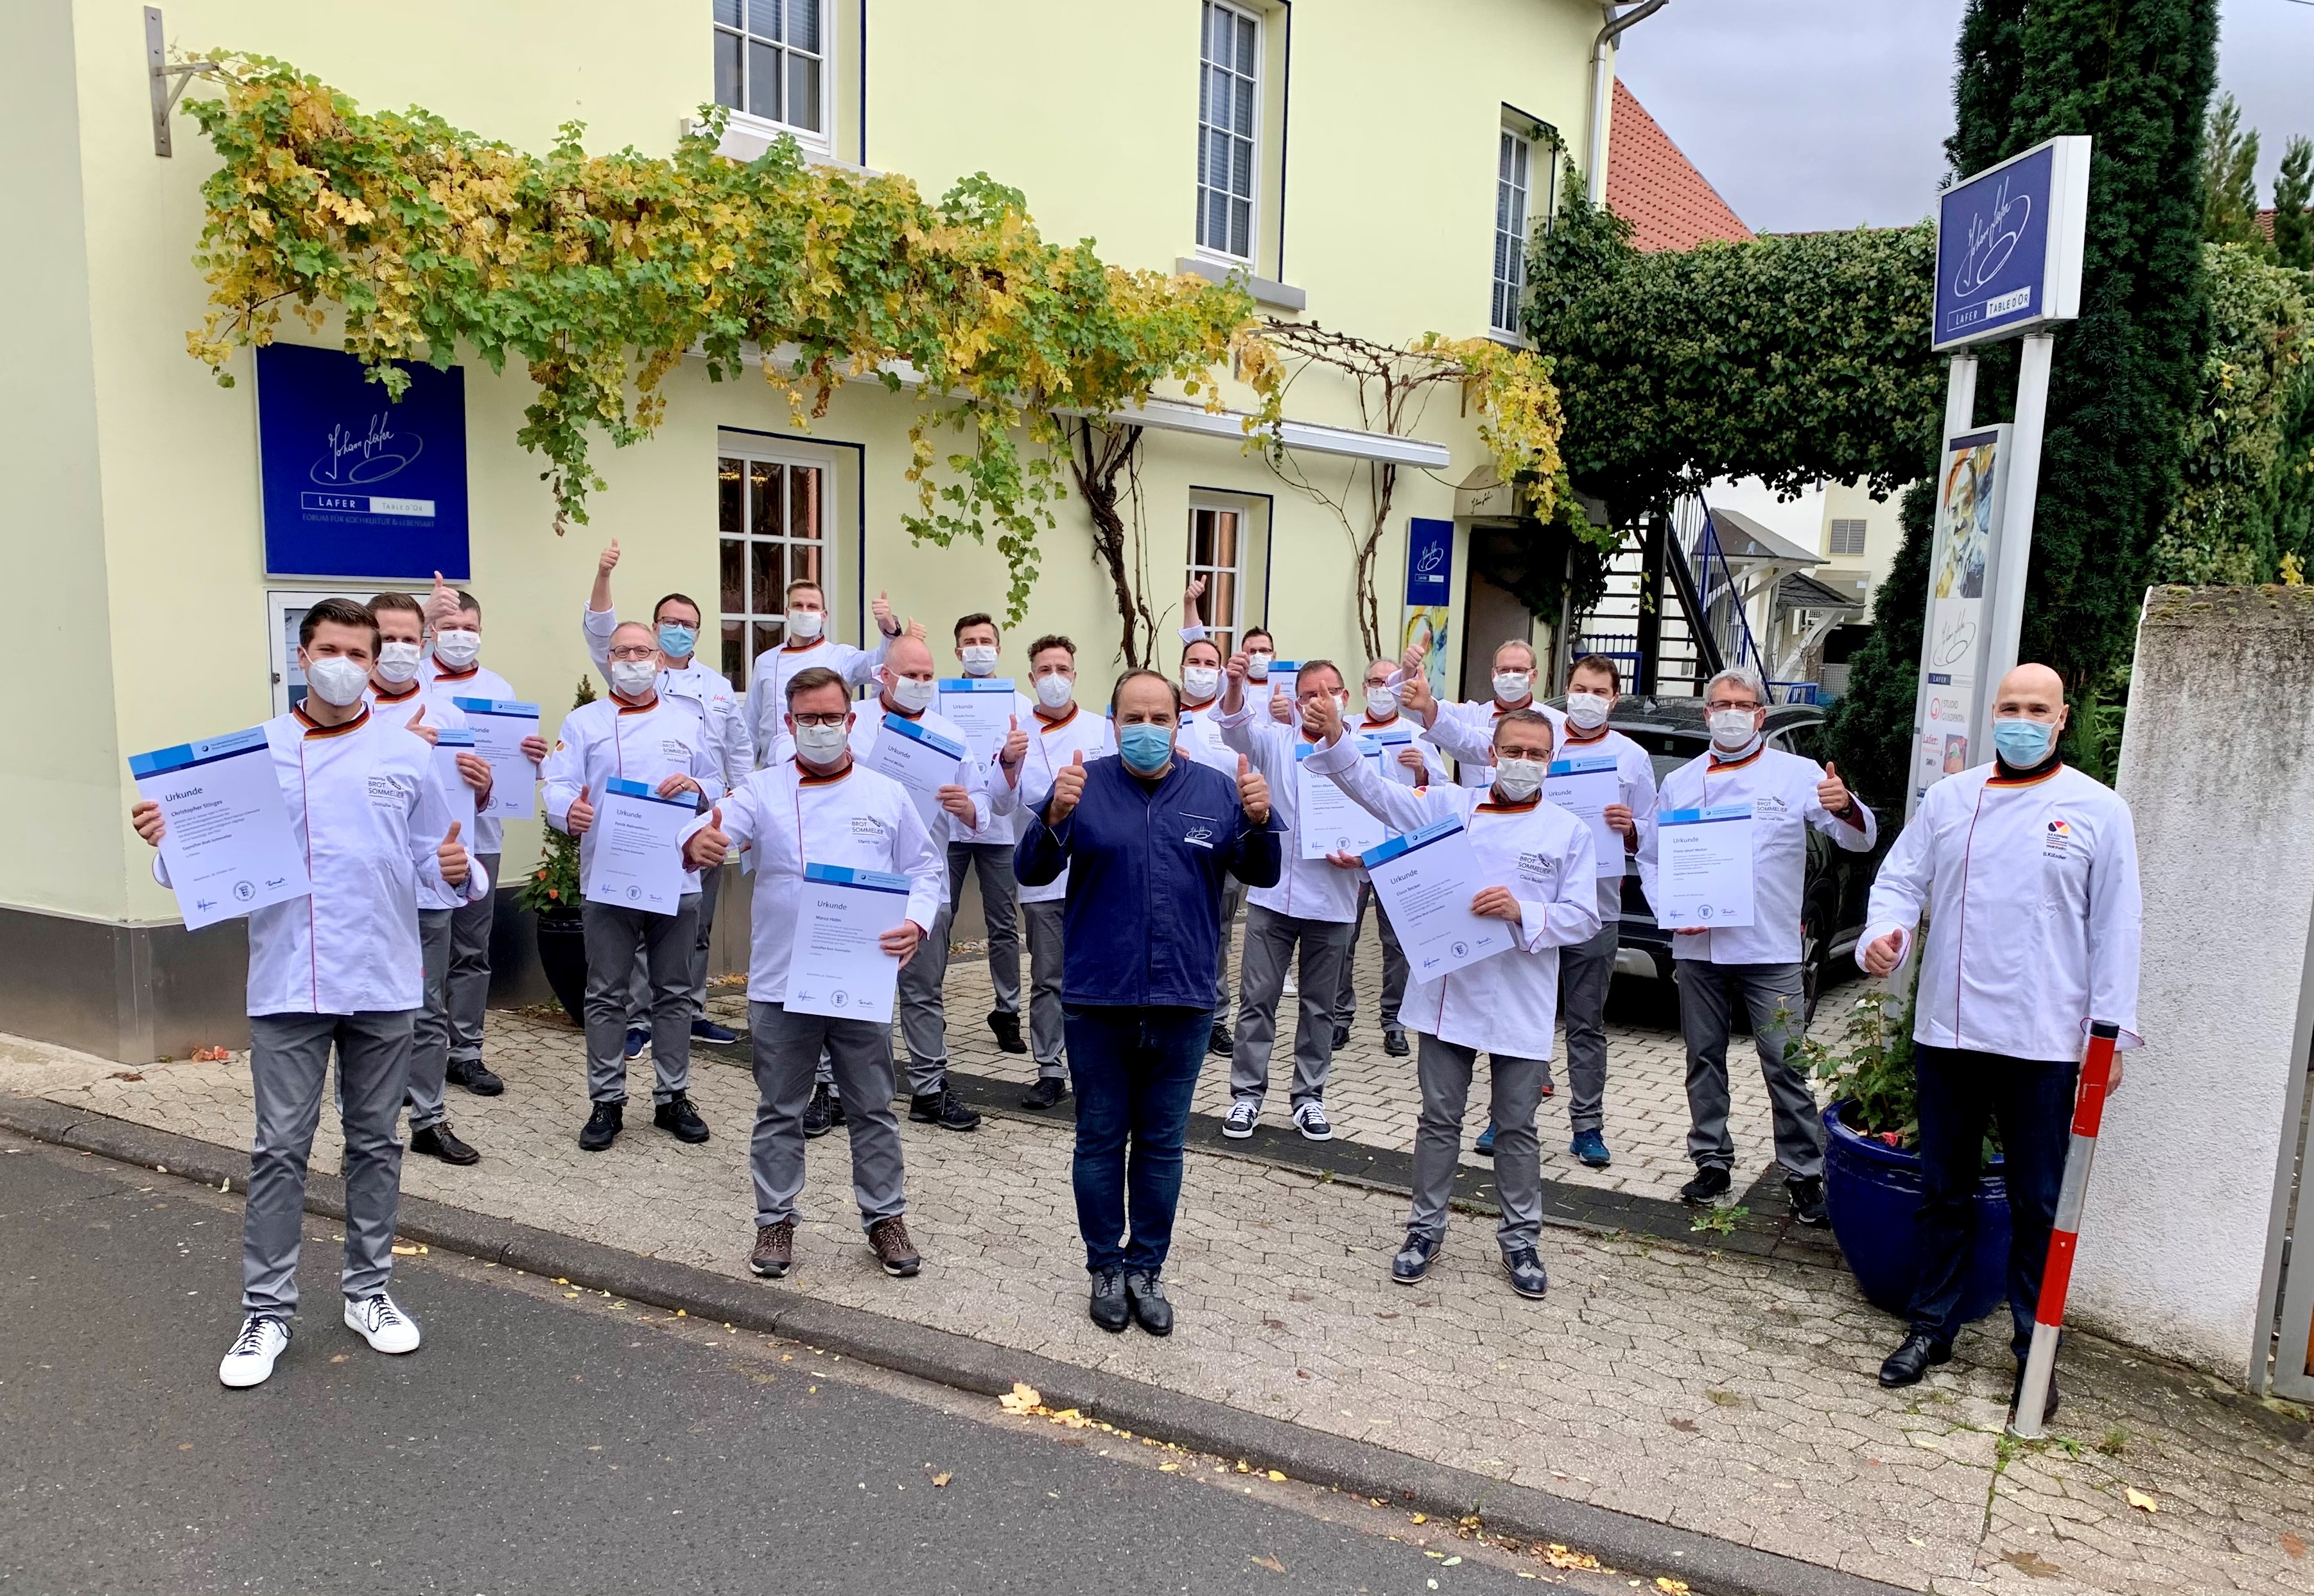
pixel 1874 1193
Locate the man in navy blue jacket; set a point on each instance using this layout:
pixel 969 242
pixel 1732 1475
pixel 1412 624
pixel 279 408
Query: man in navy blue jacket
pixel 1145 837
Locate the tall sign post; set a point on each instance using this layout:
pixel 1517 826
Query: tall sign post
pixel 2008 265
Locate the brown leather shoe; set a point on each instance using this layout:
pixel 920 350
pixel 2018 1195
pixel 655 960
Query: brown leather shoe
pixel 889 1238
pixel 774 1253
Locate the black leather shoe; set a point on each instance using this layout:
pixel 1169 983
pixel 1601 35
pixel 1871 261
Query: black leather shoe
pixel 1413 1260
pixel 475 1075
pixel 1341 1037
pixel 1393 1042
pixel 1146 1293
pixel 2017 1393
pixel 1920 1353
pixel 439 1142
pixel 1528 1276
pixel 1222 1044
pixel 943 1108
pixel 1007 1027
pixel 1049 1090
pixel 822 1114
pixel 1807 1201
pixel 602 1127
pixel 676 1114
pixel 1710 1181
pixel 1110 1309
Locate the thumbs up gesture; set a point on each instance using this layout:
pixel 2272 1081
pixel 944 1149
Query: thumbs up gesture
pixel 441 604
pixel 1016 746
pixel 708 847
pixel 1068 786
pixel 1322 719
pixel 1832 792
pixel 452 857
pixel 1252 792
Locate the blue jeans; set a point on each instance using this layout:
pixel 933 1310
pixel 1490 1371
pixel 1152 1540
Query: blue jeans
pixel 2032 1101
pixel 1135 1071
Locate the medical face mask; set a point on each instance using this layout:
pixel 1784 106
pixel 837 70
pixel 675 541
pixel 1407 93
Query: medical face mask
pixel 1200 681
pixel 1055 690
pixel 822 745
pixel 1382 703
pixel 1145 748
pixel 336 680
pixel 2023 743
pixel 979 659
pixel 1732 730
pixel 1518 780
pixel 633 678
pixel 1587 709
pixel 676 642
pixel 1511 686
pixel 913 696
pixel 458 648
pixel 397 662
pixel 805 625
pixel 1257 665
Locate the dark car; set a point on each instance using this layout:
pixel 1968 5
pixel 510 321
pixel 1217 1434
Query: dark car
pixel 1838 882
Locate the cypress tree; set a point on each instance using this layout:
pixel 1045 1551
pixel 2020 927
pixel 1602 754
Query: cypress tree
pixel 2294 188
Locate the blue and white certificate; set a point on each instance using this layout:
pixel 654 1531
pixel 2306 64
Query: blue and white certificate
pixel 1426 879
pixel 982 707
pixel 637 862
pixel 1584 788
pixel 837 963
pixel 1282 674
pixel 922 761
pixel 1326 819
pixel 1388 743
pixel 228 847
pixel 449 744
pixel 500 726
pixel 1703 873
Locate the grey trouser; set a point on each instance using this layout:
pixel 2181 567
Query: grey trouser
pixel 1584 972
pixel 1047 948
pixel 787 1047
pixel 1443 1071
pixel 1776 998
pixel 469 967
pixel 288 1060
pixel 1232 897
pixel 923 1009
pixel 639 1004
pixel 1394 966
pixel 613 937
pixel 429 1026
pixel 998 911
pixel 1270 940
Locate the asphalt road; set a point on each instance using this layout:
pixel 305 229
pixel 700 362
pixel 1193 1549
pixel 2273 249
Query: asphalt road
pixel 540 1442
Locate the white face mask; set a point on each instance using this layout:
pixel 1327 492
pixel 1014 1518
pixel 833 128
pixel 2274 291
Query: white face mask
pixel 1511 686
pixel 1588 710
pixel 1518 780
pixel 1200 681
pixel 336 680
pixel 1054 690
pixel 979 659
pixel 458 648
pixel 913 696
pixel 397 662
pixel 805 624
pixel 632 678
pixel 1257 665
pixel 1732 730
pixel 1382 703
pixel 821 744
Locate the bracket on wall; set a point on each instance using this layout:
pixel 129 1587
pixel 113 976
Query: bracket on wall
pixel 168 83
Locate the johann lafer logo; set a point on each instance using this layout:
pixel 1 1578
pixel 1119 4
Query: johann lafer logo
pixel 375 454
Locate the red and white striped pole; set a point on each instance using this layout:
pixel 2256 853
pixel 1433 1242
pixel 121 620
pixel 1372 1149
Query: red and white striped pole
pixel 2064 1234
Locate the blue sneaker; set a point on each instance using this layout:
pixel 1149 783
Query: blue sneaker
pixel 1590 1148
pixel 706 1031
pixel 637 1040
pixel 1484 1145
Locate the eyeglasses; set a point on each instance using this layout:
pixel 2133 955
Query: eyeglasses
pixel 835 720
pixel 633 651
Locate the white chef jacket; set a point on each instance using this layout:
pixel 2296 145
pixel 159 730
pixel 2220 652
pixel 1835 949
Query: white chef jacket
pixel 609 739
pixel 1479 716
pixel 446 687
pixel 1052 745
pixel 788 817
pixel 1433 763
pixel 1634 771
pixel 442 715
pixel 1780 788
pixel 368 812
pixel 1508 1003
pixel 1003 827
pixel 868 725
pixel 706 693
pixel 1307 889
pixel 1200 737
pixel 767 685
pixel 2034 917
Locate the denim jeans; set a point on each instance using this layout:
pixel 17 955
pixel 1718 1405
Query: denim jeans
pixel 1135 1071
pixel 2032 1101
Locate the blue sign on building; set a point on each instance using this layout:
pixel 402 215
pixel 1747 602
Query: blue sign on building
pixel 356 484
pixel 2009 245
pixel 1429 561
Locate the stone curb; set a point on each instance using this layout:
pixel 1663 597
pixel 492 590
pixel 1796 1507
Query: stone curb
pixel 1718 1567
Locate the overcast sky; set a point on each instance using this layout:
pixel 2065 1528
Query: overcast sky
pixel 1809 114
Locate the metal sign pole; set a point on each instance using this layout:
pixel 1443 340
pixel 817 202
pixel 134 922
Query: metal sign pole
pixel 2007 612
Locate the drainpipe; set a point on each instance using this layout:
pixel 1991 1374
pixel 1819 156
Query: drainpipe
pixel 1603 89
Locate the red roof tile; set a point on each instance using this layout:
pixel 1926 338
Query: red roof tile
pixel 1657 190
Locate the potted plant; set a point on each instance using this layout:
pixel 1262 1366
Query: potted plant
pixel 551 895
pixel 1872 1171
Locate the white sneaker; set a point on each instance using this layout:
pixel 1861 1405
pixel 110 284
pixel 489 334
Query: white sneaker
pixel 1242 1115
pixel 1310 1120
pixel 249 1360
pixel 379 1322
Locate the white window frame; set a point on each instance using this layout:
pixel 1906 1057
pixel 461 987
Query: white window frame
pixel 1206 67
pixel 285 609
pixel 751 452
pixel 1528 147
pixel 821 141
pixel 1230 630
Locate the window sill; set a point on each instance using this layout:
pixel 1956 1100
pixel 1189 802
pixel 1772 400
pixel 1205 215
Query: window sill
pixel 1509 341
pixel 1281 296
pixel 747 137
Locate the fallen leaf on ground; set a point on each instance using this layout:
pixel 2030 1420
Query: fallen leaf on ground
pixel 2139 1499
pixel 1685 1427
pixel 1274 1475
pixel 2292 1544
pixel 210 1055
pixel 1023 1397
pixel 1271 1564
pixel 400 1251
pixel 129 1075
pixel 340 1357
pixel 1670 1586
pixel 2032 1563
pixel 942 1479
pixel 1420 1518
pixel 1168 1468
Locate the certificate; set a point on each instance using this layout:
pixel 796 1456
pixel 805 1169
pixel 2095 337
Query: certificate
pixel 1327 819
pixel 500 726
pixel 636 862
pixel 1389 743
pixel 982 707
pixel 922 761
pixel 1425 880
pixel 449 744
pixel 1584 788
pixel 1282 674
pixel 228 848
pixel 836 965
pixel 1704 871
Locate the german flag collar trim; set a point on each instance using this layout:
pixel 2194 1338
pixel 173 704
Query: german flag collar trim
pixel 2012 782
pixel 805 778
pixel 465 676
pixel 315 728
pixel 1492 807
pixel 1576 739
pixel 403 697
pixel 1049 724
pixel 1718 764
pixel 627 708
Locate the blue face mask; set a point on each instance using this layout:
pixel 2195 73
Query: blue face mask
pixel 1145 748
pixel 2022 744
pixel 676 642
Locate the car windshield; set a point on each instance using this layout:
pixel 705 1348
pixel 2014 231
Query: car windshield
pixel 1666 750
